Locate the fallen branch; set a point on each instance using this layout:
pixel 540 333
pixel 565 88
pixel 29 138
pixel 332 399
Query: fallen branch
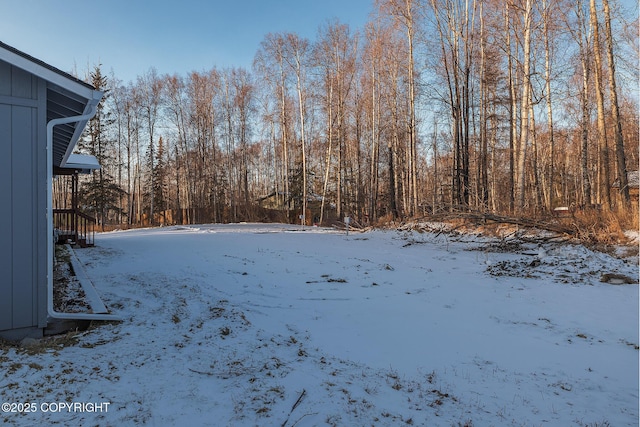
pixel 211 374
pixel 488 217
pixel 295 405
pixel 557 228
pixel 300 419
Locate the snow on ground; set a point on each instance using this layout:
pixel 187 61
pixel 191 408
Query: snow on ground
pixel 272 325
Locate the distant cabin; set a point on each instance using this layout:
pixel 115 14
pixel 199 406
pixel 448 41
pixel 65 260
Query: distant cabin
pixel 33 95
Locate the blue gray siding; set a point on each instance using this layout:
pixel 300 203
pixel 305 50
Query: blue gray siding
pixel 23 206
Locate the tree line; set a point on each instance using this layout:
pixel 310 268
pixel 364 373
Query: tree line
pixel 510 106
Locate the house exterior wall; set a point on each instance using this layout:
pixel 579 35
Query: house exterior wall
pixel 23 211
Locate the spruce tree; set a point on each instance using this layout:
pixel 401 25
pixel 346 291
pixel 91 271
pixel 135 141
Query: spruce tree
pixel 159 180
pixel 100 193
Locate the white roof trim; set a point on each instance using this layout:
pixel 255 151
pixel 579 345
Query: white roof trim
pixel 91 105
pixel 48 74
pixel 82 161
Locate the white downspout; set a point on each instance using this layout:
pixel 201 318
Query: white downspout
pixel 50 249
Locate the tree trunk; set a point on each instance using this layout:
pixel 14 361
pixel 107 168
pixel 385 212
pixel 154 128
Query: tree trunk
pixel 484 101
pixel 525 108
pixel 582 39
pixel 547 76
pixel 413 181
pixel 513 114
pixel 329 145
pixel 620 155
pixel 375 146
pixel 604 182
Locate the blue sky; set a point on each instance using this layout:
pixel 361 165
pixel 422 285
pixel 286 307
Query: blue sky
pixel 174 36
pixel 130 36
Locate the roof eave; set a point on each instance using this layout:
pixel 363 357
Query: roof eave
pixel 81 163
pixel 48 73
pixel 91 106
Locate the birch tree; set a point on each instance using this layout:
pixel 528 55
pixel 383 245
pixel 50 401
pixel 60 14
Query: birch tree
pixel 176 103
pixel 613 94
pixel 296 51
pixel 335 56
pixel 604 169
pixel 150 92
pixel 455 22
pixel 525 106
pixel 405 13
pixel 272 67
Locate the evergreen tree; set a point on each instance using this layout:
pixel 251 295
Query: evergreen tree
pixel 296 194
pixel 100 193
pixel 159 180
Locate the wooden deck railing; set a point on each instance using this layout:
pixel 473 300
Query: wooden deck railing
pixel 75 226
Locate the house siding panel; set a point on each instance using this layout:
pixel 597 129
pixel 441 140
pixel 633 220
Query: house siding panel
pixel 41 241
pixel 22 84
pixel 23 204
pixel 5 78
pixel 23 215
pixel 6 254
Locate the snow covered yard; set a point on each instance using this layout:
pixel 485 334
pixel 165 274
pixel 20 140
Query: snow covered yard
pixel 252 324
